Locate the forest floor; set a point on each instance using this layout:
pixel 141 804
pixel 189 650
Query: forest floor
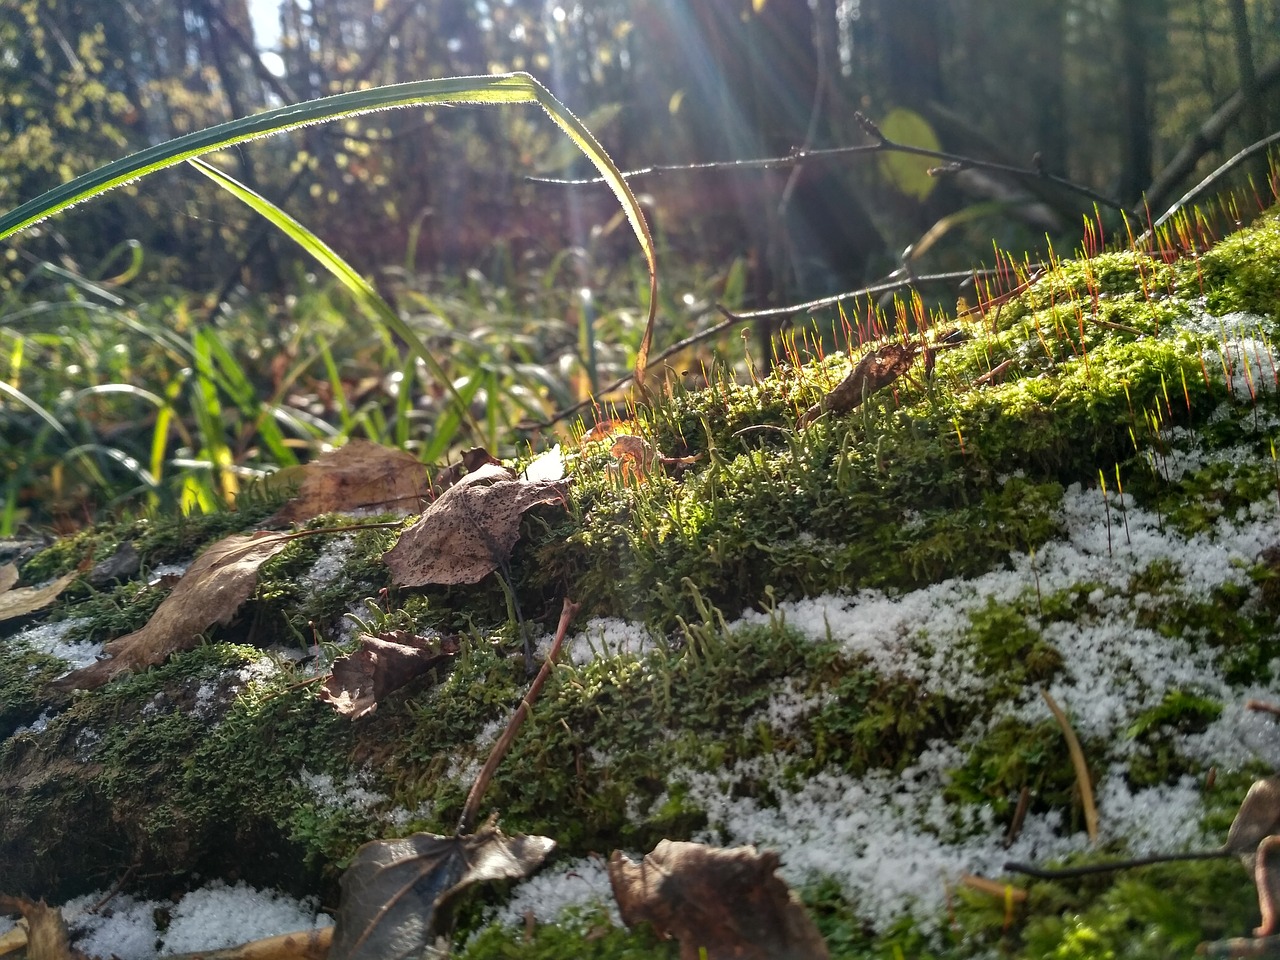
pixel 828 612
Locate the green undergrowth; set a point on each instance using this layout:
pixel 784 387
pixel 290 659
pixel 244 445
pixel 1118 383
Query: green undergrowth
pixel 223 762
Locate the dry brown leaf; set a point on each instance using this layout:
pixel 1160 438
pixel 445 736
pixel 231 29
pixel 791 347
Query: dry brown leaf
pixel 381 665
pixel 875 370
pixel 360 475
pixel 719 903
pixel 470 531
pixel 25 600
pixel 8 576
pixel 1253 835
pixel 393 891
pixel 46 935
pixel 209 593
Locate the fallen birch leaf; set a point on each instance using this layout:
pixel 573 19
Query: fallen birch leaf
pixel 25 600
pixel 46 934
pixel 209 593
pixel 719 903
pixel 393 891
pixel 470 531
pixel 382 664
pixel 875 370
pixel 361 475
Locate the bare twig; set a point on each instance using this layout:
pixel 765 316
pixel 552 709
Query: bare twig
pixel 738 319
pixel 469 810
pixel 1209 181
pixel 1208 137
pixel 953 163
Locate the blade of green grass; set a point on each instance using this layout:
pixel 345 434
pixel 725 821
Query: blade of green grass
pixel 366 296
pixel 503 88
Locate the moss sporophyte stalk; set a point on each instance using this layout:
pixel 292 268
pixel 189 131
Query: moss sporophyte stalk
pixel 828 640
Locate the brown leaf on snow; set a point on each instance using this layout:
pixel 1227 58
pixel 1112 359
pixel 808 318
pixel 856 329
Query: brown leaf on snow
pixel 719 903
pixel 875 370
pixel 381 665
pixel 470 531
pixel 393 891
pixel 24 600
pixel 209 593
pixel 361 475
pixel 46 935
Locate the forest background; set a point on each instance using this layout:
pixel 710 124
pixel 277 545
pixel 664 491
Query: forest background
pixel 162 345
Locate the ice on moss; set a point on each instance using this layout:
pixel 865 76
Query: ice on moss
pixel 562 886
pixel 48 638
pixel 602 637
pixel 893 842
pixel 333 558
pixel 349 794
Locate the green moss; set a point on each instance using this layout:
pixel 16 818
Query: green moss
pixel 1152 914
pixel 1242 272
pixel 940 476
pixel 589 935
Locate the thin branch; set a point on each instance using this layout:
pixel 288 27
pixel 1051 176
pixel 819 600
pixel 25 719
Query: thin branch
pixel 736 319
pixel 1208 137
pixel 1210 180
pixel 469 810
pixel 954 163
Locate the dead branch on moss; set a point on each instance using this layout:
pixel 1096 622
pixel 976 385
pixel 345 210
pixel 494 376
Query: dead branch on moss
pixel 469 810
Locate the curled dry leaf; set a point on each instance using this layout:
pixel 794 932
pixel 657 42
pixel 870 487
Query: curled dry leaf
pixel 719 903
pixel 875 370
pixel 470 531
pixel 381 665
pixel 637 457
pixel 46 934
pixel 1255 836
pixel 361 475
pixel 25 600
pixel 209 593
pixel 393 891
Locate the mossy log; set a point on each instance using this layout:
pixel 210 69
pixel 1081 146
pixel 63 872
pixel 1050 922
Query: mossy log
pixel 827 638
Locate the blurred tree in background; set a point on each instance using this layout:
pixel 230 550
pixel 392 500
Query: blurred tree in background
pixel 1116 94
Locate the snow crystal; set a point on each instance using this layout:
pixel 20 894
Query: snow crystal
pixel 350 794
pixel 48 638
pixel 211 918
pixel 221 916
pixel 602 637
pixel 329 564
pixel 892 841
pixel 547 895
